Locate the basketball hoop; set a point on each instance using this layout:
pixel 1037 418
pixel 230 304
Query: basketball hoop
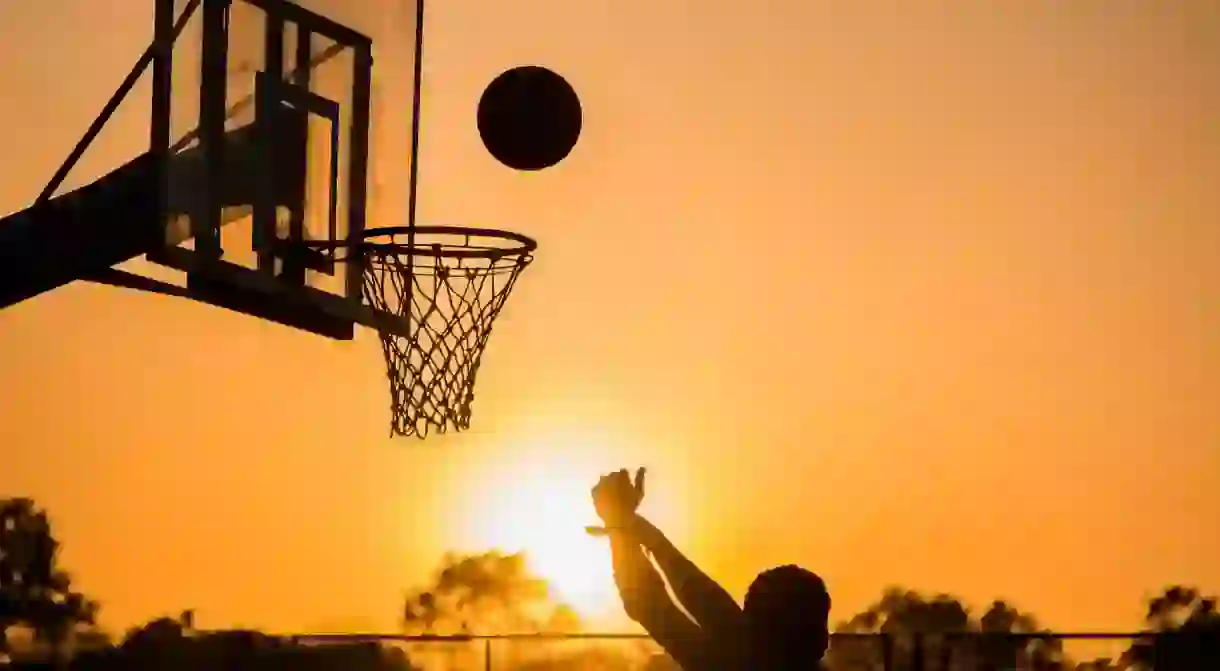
pixel 442 288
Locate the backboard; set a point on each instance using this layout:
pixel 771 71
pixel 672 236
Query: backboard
pixel 279 122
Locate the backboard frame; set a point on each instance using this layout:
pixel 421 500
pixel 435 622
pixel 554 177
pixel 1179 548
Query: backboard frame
pixel 276 290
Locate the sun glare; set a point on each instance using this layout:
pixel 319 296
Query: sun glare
pixel 541 508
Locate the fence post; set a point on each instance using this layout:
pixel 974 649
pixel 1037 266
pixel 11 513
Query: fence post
pixel 948 643
pixel 887 652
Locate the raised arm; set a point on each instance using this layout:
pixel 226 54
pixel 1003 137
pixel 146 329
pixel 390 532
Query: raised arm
pixel 645 599
pixel 712 607
pixel 647 602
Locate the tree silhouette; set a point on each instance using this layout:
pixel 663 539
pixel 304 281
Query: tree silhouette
pixel 490 592
pixel 154 636
pixel 1188 633
pixel 495 593
pixel 996 649
pixel 940 628
pixel 168 643
pixel 34 591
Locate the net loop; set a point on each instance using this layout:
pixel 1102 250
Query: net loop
pixel 447 285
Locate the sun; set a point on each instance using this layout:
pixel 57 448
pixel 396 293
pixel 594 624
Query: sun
pixel 542 509
pixel 550 530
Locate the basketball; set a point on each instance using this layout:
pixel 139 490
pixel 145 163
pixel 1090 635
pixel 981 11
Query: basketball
pixel 529 118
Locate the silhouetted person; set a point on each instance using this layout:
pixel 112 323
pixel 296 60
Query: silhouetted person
pixel 782 626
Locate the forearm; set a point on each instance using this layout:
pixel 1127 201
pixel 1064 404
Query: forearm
pixel 710 604
pixel 647 602
pixel 639 585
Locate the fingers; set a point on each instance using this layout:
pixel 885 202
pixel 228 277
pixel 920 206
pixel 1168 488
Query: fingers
pixel 622 477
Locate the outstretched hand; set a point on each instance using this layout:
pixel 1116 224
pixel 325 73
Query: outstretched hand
pixel 616 498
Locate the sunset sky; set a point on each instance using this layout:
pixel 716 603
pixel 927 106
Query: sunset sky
pixel 921 292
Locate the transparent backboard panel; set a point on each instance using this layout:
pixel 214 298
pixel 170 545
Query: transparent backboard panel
pixel 280 133
pixel 393 26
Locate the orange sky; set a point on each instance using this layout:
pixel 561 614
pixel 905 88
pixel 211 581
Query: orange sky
pixel 919 292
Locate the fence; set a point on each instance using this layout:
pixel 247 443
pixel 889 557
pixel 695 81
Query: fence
pixel 849 652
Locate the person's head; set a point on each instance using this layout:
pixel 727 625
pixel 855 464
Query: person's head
pixel 786 613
